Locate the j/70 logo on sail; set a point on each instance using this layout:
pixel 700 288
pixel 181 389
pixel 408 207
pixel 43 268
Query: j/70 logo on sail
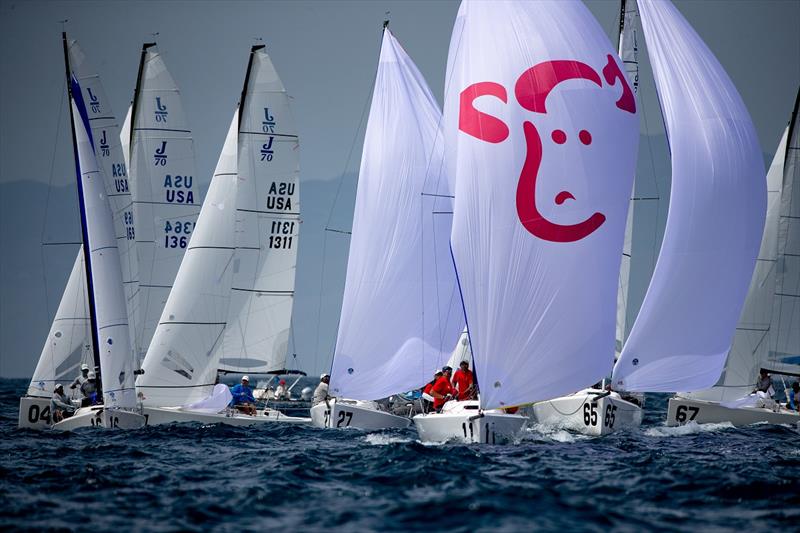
pixel 161 111
pixel 160 157
pixel 531 90
pixel 94 103
pixel 268 124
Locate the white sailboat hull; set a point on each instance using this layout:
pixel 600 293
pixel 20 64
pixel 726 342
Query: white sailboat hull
pixel 683 411
pixel 463 422
pixel 155 416
pixel 34 413
pixel 588 412
pixel 360 415
pixel 98 416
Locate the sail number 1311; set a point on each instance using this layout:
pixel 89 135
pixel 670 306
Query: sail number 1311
pixel 281 234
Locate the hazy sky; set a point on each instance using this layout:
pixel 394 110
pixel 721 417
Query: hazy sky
pixel 326 53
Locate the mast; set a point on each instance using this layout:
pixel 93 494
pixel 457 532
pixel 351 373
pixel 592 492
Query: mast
pixel 138 89
pixel 87 256
pixel 253 51
pixel 621 22
pixel 792 126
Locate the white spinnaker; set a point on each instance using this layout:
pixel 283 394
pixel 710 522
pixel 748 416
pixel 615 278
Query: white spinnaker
pixel 116 357
pixel 543 149
pixel 268 223
pixel 683 332
pixel 180 365
pixel 784 354
pixel 751 342
pixel 112 159
pixel 166 202
pixel 460 353
pixel 69 342
pixel 401 312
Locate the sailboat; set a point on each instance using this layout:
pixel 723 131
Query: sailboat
pixel 540 132
pixel 682 334
pixel 768 333
pixel 401 313
pixel 157 144
pixel 105 290
pixel 597 410
pixel 230 306
pixel 70 341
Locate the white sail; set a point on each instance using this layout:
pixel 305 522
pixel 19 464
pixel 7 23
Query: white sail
pixel 268 223
pixel 69 342
pixel 401 312
pixel 165 200
pixel 112 160
pixel 683 332
pixel 180 366
pixel 784 353
pixel 460 353
pixel 125 137
pixel 116 357
pixel 541 132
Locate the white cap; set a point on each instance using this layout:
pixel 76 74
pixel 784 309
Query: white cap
pixel 84 366
pixel 246 378
pixel 92 375
pixel 323 376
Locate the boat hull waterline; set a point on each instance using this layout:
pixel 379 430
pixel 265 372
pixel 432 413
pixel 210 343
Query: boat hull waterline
pixel 99 417
pixel 463 422
pixel 590 412
pixel 155 416
pixel 683 411
pixel 359 415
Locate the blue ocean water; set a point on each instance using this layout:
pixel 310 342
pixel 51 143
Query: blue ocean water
pixel 190 477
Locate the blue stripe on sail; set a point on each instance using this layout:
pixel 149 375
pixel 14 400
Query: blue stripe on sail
pixel 77 96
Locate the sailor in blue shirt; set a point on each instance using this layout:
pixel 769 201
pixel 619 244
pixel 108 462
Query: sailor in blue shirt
pixel 794 397
pixel 243 398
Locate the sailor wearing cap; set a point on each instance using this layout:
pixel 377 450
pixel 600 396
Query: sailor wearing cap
pixel 243 398
pixel 321 392
pixel 82 377
pixel 60 405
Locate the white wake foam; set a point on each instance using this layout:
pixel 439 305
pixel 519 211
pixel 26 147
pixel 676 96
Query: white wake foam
pixel 692 428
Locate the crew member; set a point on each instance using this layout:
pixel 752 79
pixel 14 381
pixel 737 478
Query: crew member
pixel 464 382
pixel 60 405
pixel 765 383
pixel 82 377
pixel 90 390
pixel 243 398
pixel 427 404
pixel 442 391
pixel 794 397
pixel 282 393
pixel 321 392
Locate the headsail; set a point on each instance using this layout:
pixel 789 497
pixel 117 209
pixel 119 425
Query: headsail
pixel 68 343
pixel 268 224
pixel 180 366
pixel 165 200
pixel 541 132
pixel 401 312
pixel 682 335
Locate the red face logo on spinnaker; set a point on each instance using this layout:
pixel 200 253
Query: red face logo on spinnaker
pixel 531 90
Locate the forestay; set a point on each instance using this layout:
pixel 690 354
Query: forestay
pixel 116 357
pixel 268 224
pixel 682 335
pixel 110 157
pixel 180 365
pixel 784 354
pixel 541 133
pixel 69 342
pixel 401 312
pixel 166 202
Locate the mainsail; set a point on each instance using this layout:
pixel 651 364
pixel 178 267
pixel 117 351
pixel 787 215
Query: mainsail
pixel 69 342
pixel 682 335
pixel 541 134
pixel 784 353
pixel 401 312
pixel 165 201
pixel 110 158
pixel 267 226
pixel 111 321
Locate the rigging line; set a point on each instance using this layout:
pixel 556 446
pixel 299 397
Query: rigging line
pixel 333 206
pixel 339 231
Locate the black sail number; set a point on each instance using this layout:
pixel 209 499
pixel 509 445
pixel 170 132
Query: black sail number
pixel 686 413
pixel 345 417
pixel 590 414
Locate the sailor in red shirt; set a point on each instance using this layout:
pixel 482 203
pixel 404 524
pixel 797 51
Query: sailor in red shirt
pixel 426 404
pixel 464 382
pixel 442 391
